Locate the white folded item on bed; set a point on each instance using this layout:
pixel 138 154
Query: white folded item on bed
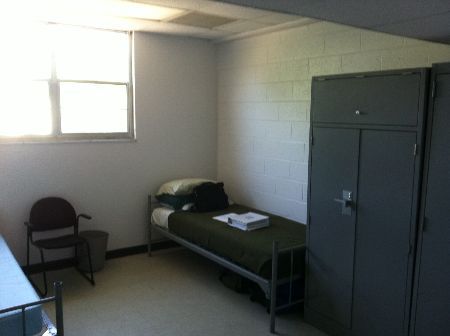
pixel 160 216
pixel 15 289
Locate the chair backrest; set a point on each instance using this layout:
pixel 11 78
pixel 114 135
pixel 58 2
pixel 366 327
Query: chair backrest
pixel 52 213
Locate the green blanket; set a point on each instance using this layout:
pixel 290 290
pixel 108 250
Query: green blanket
pixel 250 249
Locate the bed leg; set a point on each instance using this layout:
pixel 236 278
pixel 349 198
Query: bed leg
pixel 149 233
pixel 24 322
pixel 59 308
pixel 273 286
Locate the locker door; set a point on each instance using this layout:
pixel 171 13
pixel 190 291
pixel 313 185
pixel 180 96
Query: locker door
pixel 383 233
pixel 334 170
pixel 432 307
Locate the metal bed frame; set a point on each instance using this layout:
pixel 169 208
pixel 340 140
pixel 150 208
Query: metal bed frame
pixel 50 328
pixel 269 286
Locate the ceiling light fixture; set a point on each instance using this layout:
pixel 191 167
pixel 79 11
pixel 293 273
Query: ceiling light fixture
pixel 52 9
pixel 141 10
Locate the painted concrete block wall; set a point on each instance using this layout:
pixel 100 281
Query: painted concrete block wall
pixel 175 101
pixel 264 88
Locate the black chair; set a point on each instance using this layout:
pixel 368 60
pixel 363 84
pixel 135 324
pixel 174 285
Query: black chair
pixel 54 213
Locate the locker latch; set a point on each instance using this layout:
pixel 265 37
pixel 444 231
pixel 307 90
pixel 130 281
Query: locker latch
pixel 346 201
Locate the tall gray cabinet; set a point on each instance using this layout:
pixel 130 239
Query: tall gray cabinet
pixel 431 302
pixel 365 173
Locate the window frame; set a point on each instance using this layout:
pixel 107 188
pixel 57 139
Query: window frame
pixel 57 136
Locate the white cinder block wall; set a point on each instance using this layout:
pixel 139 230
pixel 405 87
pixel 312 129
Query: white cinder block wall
pixel 264 85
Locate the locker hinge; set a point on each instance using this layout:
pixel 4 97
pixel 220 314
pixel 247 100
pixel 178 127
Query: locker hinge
pixel 433 89
pixel 312 140
pixel 415 149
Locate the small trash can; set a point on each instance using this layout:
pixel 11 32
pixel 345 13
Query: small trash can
pixel 98 241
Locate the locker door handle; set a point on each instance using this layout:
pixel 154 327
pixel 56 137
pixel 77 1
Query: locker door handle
pixel 345 202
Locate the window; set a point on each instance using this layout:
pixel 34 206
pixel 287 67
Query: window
pixel 68 83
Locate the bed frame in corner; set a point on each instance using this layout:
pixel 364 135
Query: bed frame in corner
pixel 48 327
pixel 269 286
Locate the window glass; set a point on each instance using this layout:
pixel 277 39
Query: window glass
pixel 26 110
pixel 87 54
pixel 39 66
pixel 93 108
pixel 63 80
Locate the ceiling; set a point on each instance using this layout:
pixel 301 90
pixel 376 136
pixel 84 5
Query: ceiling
pixel 422 19
pixel 208 19
pixel 221 20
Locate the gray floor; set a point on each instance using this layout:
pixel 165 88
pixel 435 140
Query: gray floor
pixel 175 292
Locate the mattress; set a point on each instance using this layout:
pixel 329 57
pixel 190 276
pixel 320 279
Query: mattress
pixel 250 249
pixel 15 289
pixel 160 216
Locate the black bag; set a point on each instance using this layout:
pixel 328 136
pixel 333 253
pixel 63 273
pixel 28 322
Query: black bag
pixel 210 196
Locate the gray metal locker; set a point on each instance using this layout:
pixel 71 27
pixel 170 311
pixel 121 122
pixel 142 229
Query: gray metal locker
pixel 365 171
pixel 431 308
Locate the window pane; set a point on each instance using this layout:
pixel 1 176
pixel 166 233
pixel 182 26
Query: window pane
pixel 39 46
pixel 25 53
pixel 93 108
pixel 25 109
pixel 88 54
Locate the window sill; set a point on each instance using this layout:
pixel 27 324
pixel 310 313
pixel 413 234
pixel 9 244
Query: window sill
pixel 62 140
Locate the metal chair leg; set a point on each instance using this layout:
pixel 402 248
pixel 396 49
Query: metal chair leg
pixel 90 263
pixel 84 274
pixel 35 286
pixel 44 273
pixel 28 251
pixel 76 255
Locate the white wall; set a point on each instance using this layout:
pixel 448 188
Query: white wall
pixel 264 86
pixel 176 137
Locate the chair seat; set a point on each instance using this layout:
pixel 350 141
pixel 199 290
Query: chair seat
pixel 59 242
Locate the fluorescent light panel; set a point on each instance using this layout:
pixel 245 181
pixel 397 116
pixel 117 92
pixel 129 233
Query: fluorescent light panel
pixel 112 8
pixel 142 11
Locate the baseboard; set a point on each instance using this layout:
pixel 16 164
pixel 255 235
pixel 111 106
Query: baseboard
pixel 49 266
pixel 118 253
pixel 123 252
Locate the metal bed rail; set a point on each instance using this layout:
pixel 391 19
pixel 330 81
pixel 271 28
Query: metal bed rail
pixel 269 286
pixel 57 298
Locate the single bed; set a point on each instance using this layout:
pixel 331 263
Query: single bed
pixel 270 256
pixel 21 310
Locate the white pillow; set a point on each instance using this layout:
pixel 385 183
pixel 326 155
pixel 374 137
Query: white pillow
pixel 181 186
